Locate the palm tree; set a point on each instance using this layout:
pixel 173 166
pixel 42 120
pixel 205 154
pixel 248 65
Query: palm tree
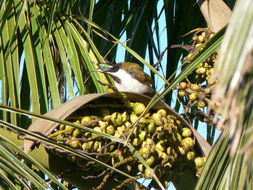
pixel 48 49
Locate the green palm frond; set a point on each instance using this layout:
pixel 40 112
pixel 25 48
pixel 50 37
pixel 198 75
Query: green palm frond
pixel 43 46
pixel 229 165
pixel 49 48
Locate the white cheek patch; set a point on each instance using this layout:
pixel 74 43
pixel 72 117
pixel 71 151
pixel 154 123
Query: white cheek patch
pixel 128 83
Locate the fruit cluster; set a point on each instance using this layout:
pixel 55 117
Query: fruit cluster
pixel 196 90
pixel 196 94
pixel 160 138
pixel 205 69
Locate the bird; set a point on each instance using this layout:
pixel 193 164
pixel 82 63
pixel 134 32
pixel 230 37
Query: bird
pixel 128 77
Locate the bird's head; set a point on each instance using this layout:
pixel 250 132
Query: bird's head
pixel 128 76
pixel 133 69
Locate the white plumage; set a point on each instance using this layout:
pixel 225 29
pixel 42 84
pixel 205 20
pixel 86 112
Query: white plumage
pixel 129 84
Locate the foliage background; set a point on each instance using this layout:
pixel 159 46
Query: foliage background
pixel 48 48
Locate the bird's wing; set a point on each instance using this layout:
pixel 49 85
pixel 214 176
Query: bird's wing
pixel 144 78
pixel 141 76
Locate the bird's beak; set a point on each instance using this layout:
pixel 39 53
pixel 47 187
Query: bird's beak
pixel 98 70
pixel 102 67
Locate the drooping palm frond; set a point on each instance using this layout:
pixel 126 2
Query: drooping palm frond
pixel 229 165
pixel 15 167
pixel 44 52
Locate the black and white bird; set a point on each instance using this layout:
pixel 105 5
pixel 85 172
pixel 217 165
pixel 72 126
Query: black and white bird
pixel 128 77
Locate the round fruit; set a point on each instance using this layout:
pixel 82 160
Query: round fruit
pixel 201 70
pixel 133 118
pixel 201 38
pixel 201 104
pixel 181 150
pixel 194 87
pixel 110 130
pixel 183 85
pixel 161 139
pixel 96 129
pixel 159 146
pixel 190 155
pixel 85 120
pixel 143 135
pixel 157 118
pixel 188 143
pixel 141 167
pixel 74 143
pixel 138 108
pixel 162 112
pixel 186 132
pixel 151 126
pixel 147 173
pixel 199 162
pixel 181 93
pixel 136 142
pixel 125 116
pixel 116 118
pixel 151 160
pixel 76 132
pixel 193 96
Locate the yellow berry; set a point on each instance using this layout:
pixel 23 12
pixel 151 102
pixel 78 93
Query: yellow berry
pixel 151 126
pixel 86 120
pixel 181 150
pixel 159 146
pixel 190 155
pixel 133 118
pixel 147 173
pixel 201 70
pixel 136 142
pixel 74 143
pixel 181 93
pixel 129 168
pixel 157 118
pixel 151 160
pixel 195 38
pixel 201 38
pixel 96 129
pixel 138 108
pixel 188 90
pixel 76 132
pixel 186 132
pixel 183 85
pixel 198 45
pixel 194 87
pixel 188 143
pixel 199 162
pixel 141 167
pixel 116 118
pixel 201 104
pixel 193 96
pixel 125 116
pixel 162 112
pixel 143 135
pixel 110 130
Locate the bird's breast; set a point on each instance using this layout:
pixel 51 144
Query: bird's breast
pixel 129 84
